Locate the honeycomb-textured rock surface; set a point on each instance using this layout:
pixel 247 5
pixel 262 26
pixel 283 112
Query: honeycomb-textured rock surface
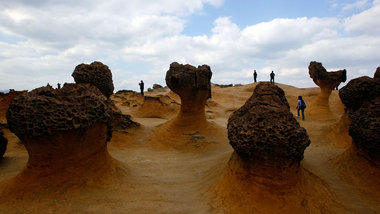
pixel 324 79
pixel 358 91
pixel 365 128
pixel 3 143
pixel 185 79
pixel 96 74
pixel 361 96
pixel 264 129
pixel 47 111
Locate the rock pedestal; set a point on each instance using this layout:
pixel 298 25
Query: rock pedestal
pixel 194 87
pixel 65 132
pixel 327 81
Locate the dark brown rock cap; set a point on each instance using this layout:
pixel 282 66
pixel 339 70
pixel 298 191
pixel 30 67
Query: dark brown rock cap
pixel 188 78
pixel 3 143
pixel 359 90
pixel 322 78
pixel 46 111
pixel 96 74
pixel 264 129
pixel 377 73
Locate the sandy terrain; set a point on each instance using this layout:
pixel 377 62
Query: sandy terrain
pixel 169 170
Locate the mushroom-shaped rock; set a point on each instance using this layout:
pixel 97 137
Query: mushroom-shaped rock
pixel 3 143
pixel 264 129
pixel 65 132
pixel 326 80
pixel 192 85
pixel 96 74
pixel 264 171
pixel 361 96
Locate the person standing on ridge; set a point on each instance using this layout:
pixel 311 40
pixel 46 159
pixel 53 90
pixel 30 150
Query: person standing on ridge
pixel 301 105
pixel 142 87
pixel 272 77
pixel 255 75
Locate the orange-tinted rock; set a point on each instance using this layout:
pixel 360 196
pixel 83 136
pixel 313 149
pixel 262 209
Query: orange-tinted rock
pixel 326 80
pixel 264 130
pixel 3 143
pixel 5 100
pixel 46 111
pixel 96 74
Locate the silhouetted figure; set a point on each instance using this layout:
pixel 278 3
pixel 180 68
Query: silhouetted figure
pixel 142 87
pixel 48 84
pixel 59 85
pixel 255 75
pixel 272 77
pixel 301 105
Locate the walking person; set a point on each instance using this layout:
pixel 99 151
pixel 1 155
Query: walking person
pixel 272 77
pixel 301 105
pixel 142 87
pixel 255 75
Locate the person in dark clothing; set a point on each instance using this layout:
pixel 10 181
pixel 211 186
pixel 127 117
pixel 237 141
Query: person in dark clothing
pixel 255 75
pixel 59 85
pixel 142 87
pixel 272 77
pixel 301 105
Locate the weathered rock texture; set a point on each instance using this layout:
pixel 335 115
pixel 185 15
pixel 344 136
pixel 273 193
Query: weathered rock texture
pixel 96 74
pixel 192 85
pixel 3 143
pixel 327 81
pixel 361 96
pixel 5 100
pixel 65 132
pixel 45 111
pixel 264 130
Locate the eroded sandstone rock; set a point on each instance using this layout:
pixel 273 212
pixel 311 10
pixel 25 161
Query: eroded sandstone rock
pixel 3 144
pixel 326 80
pixel 46 111
pixel 96 74
pixel 264 130
pixel 361 96
pixel 377 73
pixel 191 84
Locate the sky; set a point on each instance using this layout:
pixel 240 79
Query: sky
pixel 42 41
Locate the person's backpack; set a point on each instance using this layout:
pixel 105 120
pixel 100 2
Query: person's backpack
pixel 303 104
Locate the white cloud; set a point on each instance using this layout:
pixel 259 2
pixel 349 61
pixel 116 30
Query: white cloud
pixel 139 40
pixel 360 4
pixel 366 22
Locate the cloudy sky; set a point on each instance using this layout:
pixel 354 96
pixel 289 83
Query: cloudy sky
pixel 41 41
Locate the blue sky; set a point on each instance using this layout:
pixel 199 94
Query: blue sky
pixel 42 41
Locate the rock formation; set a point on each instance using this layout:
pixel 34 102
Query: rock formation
pixel 96 74
pixel 193 86
pixel 3 143
pixel 65 132
pixel 264 130
pixel 157 107
pixel 189 130
pixel 361 96
pixel 377 73
pixel 264 173
pixel 327 81
pixel 5 100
